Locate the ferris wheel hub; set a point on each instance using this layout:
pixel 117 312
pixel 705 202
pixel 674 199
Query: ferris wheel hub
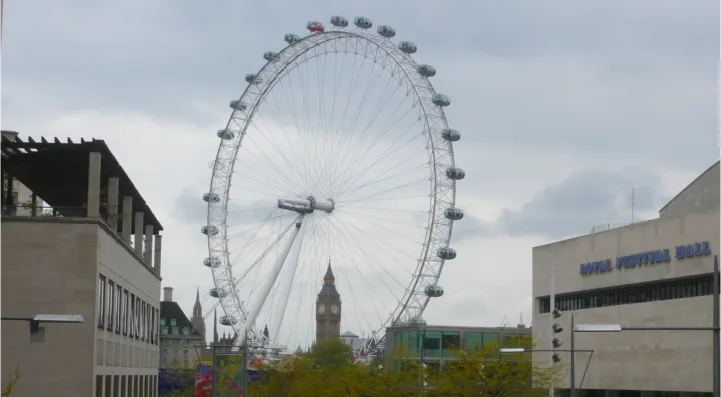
pixel 307 206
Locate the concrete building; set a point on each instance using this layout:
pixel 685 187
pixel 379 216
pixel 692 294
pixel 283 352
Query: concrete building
pixel 96 251
pixel 181 344
pixel 656 273
pixel 432 344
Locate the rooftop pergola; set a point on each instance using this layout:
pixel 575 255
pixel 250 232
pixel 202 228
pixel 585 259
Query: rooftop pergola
pixel 59 173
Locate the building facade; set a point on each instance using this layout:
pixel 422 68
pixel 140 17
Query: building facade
pixel 434 345
pixel 327 310
pixel 181 345
pixel 87 255
pixel 656 273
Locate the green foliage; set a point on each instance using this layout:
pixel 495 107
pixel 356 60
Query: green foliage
pixel 329 371
pixel 13 378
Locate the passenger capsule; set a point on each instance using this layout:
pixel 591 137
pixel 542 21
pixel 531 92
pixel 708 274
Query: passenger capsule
pixel 446 253
pixel 338 21
pixel 225 134
pixel 315 27
pixel 237 105
pixel 386 31
pixel 211 262
pixel 227 321
pixel 209 230
pixel 450 135
pixel 363 22
pixel 455 173
pixel 211 198
pixel 441 100
pixel 253 79
pixel 291 38
pixel 453 213
pixel 270 56
pixel 416 322
pixel 407 47
pixel 426 70
pixel 217 293
pixel 434 291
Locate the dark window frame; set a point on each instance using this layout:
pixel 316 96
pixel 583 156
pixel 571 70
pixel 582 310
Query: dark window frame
pixel 102 285
pixel 110 293
pixel 131 320
pixel 126 307
pixel 119 308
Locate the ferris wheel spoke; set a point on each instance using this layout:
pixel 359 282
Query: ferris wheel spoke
pixel 289 165
pixel 348 129
pixel 344 232
pixel 363 134
pixel 353 186
pixel 392 148
pixel 349 259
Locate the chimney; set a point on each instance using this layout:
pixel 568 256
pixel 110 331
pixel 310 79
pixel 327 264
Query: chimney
pixel 167 294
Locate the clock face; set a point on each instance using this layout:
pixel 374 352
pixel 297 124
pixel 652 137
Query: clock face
pixel 321 308
pixel 335 309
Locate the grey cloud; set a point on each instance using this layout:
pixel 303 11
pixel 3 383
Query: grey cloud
pixel 189 207
pixel 585 199
pixel 590 77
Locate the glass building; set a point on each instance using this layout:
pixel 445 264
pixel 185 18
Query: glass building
pixel 435 344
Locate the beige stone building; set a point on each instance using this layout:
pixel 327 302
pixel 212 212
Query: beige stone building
pixel 656 273
pixel 93 249
pixel 181 343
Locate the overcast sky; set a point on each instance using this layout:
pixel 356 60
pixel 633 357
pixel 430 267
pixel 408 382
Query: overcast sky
pixel 564 106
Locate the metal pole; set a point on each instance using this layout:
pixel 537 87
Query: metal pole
pixel 716 335
pixel 552 288
pixel 214 370
pixel 245 371
pixel 573 358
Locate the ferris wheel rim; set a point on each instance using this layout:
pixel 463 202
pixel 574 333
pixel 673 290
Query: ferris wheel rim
pixel 214 210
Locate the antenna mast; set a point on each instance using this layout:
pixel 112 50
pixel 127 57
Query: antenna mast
pixel 633 203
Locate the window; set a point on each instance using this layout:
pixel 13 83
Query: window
pixel 626 295
pixel 131 318
pixel 186 331
pixel 101 301
pixel 157 331
pixel 136 319
pixel 119 309
pixel 172 322
pixel 142 320
pixel 473 340
pixel 125 312
pixel 110 293
pixel 432 344
pixel 152 325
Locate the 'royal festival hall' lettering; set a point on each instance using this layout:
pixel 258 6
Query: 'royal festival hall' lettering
pixel 646 258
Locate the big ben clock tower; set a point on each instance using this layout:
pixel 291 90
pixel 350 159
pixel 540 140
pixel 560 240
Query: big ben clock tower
pixel 327 310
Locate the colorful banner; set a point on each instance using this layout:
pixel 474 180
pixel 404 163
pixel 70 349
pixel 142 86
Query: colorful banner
pixel 203 380
pixel 230 375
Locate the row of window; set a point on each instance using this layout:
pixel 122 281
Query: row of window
pixel 126 385
pixel 436 343
pixel 121 311
pixel 624 295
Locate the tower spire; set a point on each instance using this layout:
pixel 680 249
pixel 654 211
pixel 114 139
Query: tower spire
pixel 215 326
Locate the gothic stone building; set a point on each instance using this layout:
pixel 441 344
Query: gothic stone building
pixel 327 310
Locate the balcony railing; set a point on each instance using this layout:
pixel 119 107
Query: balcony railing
pixel 24 210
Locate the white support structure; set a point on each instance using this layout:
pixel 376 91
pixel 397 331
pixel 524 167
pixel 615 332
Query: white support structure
pixel 288 286
pixel 270 281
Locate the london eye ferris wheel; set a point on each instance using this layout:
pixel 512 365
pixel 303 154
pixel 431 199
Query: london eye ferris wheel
pixel 337 153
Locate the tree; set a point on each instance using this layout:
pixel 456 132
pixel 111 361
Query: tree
pixel 13 378
pixel 486 372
